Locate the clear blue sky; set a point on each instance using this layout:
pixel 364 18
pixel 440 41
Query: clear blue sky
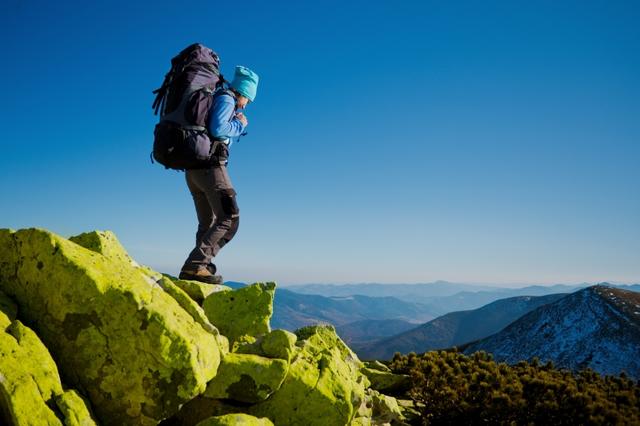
pixel 404 141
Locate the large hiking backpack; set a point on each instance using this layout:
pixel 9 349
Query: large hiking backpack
pixel 181 140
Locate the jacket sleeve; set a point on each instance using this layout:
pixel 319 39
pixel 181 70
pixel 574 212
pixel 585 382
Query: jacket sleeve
pixel 222 121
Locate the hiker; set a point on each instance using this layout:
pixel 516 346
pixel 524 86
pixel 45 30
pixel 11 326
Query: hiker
pixel 213 194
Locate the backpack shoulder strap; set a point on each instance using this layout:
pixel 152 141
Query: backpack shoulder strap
pixel 226 91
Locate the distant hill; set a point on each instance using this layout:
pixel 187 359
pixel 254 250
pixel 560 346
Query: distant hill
pixel 441 297
pixel 293 310
pixel 598 327
pixel 366 331
pixel 401 291
pixel 454 328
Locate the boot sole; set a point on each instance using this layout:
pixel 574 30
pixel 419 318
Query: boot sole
pixel 206 280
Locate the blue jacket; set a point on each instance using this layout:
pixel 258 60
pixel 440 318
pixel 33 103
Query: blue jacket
pixel 223 123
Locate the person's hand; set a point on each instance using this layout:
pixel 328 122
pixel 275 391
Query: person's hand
pixel 241 117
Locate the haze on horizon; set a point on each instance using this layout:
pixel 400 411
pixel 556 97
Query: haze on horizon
pixel 493 142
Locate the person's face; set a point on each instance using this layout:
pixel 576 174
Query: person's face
pixel 242 102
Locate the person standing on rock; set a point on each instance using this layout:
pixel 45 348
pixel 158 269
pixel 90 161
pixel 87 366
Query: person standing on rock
pixel 213 194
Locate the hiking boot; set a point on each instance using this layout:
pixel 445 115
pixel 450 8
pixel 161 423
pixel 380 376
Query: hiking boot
pixel 202 274
pixel 212 268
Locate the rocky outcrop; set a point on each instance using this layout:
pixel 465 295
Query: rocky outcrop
pixel 146 348
pixel 235 420
pixel 279 344
pixel 30 387
pixel 242 315
pixel 114 332
pixel 247 378
pixel 383 380
pixel 324 377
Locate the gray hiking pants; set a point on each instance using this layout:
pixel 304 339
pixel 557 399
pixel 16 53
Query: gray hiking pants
pixel 217 211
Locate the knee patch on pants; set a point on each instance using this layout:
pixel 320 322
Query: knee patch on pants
pixel 229 203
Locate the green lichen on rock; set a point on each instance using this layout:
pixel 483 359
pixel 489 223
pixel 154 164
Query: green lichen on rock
pixel 105 243
pixel 378 410
pixel 8 311
pixel 143 349
pixel 188 304
pixel 30 387
pixel 326 336
pixel 27 378
pixel 74 409
pixel 376 365
pixel 124 340
pixel 384 381
pixel 279 344
pixel 196 290
pixel 201 408
pixel 324 385
pixel 247 378
pixel 236 419
pixel 385 409
pixel 242 314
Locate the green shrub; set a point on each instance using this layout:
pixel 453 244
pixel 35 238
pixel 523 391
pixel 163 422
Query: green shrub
pixel 451 388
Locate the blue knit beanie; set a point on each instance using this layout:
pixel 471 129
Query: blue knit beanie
pixel 245 82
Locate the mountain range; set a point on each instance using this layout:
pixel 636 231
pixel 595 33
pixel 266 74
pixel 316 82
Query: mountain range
pixel 440 297
pixel 583 327
pixel 365 331
pixel 598 327
pixel 454 328
pixel 293 310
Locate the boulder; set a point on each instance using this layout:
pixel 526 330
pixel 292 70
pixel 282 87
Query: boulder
pixel 74 409
pixel 377 365
pixel 114 332
pixel 235 420
pixel 196 290
pixel 279 344
pixel 378 410
pixel 387 382
pixel 385 409
pixel 324 385
pixel 243 314
pixel 247 378
pixel 106 243
pixel 201 408
pixel 188 304
pixel 30 387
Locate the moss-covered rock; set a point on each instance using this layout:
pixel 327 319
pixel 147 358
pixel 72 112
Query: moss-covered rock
pixel 188 304
pixel 235 420
pixel 279 344
pixel 324 385
pixel 74 409
pixel 30 388
pixel 196 290
pixel 113 331
pixel 247 378
pixel 105 243
pixel 385 409
pixel 201 408
pixel 377 365
pixel 409 411
pixel 378 410
pixel 8 311
pixel 242 314
pixel 387 382
pixel 143 349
